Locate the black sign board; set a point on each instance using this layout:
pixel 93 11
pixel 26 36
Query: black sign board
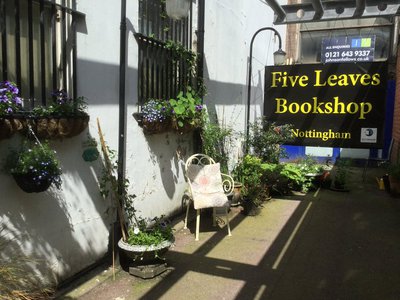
pixel 331 105
pixel 347 49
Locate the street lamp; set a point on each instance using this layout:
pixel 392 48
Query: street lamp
pixel 279 59
pixel 177 9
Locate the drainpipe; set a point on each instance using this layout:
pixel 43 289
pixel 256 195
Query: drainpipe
pixel 200 62
pixel 200 40
pixel 122 103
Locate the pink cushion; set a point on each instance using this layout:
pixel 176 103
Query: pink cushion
pixel 206 184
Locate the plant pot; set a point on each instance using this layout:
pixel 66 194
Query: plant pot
pixel 143 255
pixel 237 196
pixel 27 183
pixel 250 208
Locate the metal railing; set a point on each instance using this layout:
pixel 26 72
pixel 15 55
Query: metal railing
pixel 38 47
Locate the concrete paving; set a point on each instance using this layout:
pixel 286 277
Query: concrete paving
pixel 325 245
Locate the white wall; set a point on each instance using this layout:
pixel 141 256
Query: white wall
pixel 70 229
pixel 229 27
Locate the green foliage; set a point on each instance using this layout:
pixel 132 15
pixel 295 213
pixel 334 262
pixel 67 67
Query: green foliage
pixel 140 231
pixel 294 177
pixel 251 172
pixel 216 140
pixel 180 52
pixel 341 173
pixel 187 108
pixel 62 106
pixel 142 234
pixel 108 183
pixel 309 165
pixel 37 159
pixel 265 139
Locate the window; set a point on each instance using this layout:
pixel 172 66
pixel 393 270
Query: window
pixel 163 72
pixel 311 36
pixel 38 47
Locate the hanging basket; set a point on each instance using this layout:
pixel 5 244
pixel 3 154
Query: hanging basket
pixel 27 183
pixel 186 128
pixel 156 127
pixel 9 126
pixel 59 127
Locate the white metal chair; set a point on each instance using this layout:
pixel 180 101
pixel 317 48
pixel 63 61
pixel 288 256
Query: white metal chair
pixel 208 187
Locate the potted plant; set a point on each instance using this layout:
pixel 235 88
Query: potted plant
pixel 155 116
pixel 341 175
pixel 187 111
pixel 249 172
pixel 64 117
pixel 10 106
pixel 147 242
pixel 34 167
pixel 142 242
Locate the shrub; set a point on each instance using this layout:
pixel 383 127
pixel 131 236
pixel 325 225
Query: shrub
pixel 265 139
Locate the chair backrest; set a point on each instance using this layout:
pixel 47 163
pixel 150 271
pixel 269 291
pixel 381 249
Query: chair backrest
pixel 205 182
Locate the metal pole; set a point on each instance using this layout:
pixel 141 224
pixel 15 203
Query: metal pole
pixel 122 104
pixel 249 75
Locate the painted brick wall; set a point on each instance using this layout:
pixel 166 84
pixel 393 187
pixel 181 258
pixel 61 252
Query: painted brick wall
pixel 396 118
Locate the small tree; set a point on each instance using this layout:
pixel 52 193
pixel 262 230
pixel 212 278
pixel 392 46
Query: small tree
pixel 265 139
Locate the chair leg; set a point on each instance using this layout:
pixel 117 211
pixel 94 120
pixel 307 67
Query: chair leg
pixel 227 222
pixel 197 224
pixel 187 213
pixel 214 216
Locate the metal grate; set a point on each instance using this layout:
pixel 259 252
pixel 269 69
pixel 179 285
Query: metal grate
pixel 38 47
pixel 162 74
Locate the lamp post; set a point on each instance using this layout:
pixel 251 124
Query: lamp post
pixel 279 59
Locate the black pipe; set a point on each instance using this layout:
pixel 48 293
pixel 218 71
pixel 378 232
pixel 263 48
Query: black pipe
pixel 249 75
pixel 122 103
pixel 200 43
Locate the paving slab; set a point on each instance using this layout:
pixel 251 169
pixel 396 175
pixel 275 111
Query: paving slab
pixel 325 245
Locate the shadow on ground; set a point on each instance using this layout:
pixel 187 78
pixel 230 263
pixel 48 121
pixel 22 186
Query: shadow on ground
pixel 325 245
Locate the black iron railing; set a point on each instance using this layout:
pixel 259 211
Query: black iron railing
pixel 38 47
pixel 162 71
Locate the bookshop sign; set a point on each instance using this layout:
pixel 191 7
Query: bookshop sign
pixel 332 105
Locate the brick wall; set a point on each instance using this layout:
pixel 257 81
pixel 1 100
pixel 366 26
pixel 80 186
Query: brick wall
pixel 396 117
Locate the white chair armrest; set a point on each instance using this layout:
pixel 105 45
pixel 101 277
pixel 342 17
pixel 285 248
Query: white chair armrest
pixel 227 183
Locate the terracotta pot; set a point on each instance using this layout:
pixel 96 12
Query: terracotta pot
pixel 237 195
